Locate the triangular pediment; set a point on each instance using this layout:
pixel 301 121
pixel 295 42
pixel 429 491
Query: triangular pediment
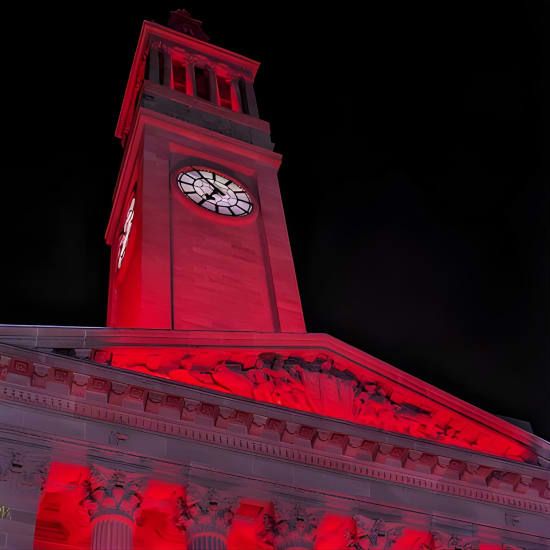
pixel 310 373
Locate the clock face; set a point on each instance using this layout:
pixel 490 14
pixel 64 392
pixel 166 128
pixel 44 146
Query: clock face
pixel 125 235
pixel 215 192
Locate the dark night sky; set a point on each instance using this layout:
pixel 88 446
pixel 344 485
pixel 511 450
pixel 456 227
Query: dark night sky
pixel 415 180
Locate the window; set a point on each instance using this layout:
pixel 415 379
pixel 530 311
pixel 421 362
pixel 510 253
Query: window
pixel 224 91
pixel 147 69
pixel 179 76
pixel 202 79
pixel 161 68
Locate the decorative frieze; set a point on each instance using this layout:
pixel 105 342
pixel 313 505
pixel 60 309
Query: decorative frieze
pixel 322 385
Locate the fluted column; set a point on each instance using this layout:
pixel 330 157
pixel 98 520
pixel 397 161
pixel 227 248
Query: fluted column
pixel 206 515
pixel 112 499
pixel 293 526
pixel 112 532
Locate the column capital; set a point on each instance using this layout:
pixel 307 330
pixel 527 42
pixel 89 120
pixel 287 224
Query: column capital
pixel 206 510
pixel 293 526
pixel 24 469
pixel 190 58
pixel 451 541
pixel 375 533
pixel 114 492
pixel 156 44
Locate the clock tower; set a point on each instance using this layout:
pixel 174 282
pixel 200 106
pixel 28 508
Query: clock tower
pixel 197 229
pixel 204 416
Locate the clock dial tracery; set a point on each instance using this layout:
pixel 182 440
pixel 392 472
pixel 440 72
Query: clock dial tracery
pixel 214 192
pixel 125 235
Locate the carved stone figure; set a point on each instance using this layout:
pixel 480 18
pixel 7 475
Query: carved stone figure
pixel 322 386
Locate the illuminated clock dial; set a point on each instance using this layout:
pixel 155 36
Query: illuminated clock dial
pixel 215 192
pixel 125 235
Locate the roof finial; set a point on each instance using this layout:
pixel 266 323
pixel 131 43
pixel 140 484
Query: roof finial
pixel 181 21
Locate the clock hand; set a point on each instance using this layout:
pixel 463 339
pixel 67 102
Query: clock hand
pixel 208 196
pixel 219 186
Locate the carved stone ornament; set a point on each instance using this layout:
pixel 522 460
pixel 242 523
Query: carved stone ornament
pixel 326 387
pixel 292 526
pixel 451 541
pixel 196 418
pixel 113 492
pixel 375 533
pixel 206 511
pixel 23 469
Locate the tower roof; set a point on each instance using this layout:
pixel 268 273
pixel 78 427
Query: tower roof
pixel 181 21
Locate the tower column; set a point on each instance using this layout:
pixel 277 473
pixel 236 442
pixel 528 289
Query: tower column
pixel 154 65
pixel 190 83
pixel 236 100
pixel 112 499
pixel 212 81
pixel 206 515
pixel 167 69
pixel 251 98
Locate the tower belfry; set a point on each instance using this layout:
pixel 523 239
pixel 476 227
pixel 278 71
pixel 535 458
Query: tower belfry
pixel 197 228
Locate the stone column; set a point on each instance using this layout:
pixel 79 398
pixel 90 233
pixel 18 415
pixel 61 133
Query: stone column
pixel 112 499
pixel 206 515
pixel 236 100
pixel 293 526
pixel 251 98
pixel 190 82
pixel 154 66
pixel 167 74
pixel 214 94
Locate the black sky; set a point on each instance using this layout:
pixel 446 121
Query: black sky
pixel 415 180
